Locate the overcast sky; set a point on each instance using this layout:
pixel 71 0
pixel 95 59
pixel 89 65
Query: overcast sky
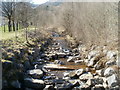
pixel 39 1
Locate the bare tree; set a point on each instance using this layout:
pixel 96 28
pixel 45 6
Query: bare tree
pixel 7 12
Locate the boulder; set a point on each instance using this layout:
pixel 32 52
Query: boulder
pixel 99 72
pixel 70 59
pixel 61 55
pixel 64 86
pixel 86 76
pixel 112 80
pixel 66 74
pixel 35 73
pixel 111 54
pixel 79 72
pixel 74 82
pixel 58 62
pixel 79 61
pixel 34 83
pixel 98 87
pixel 49 87
pixel 92 54
pixel 111 62
pixel 109 71
pixel 72 74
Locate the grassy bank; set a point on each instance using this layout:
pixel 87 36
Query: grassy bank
pixel 9 35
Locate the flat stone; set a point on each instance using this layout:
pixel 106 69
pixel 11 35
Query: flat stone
pixel 70 59
pixel 35 73
pixel 79 61
pixel 48 87
pixel 79 72
pixel 86 76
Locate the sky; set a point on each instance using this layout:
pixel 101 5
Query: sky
pixel 39 1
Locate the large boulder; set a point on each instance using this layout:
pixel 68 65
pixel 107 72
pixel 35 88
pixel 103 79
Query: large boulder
pixel 109 71
pixel 35 73
pixel 112 80
pixel 34 83
pixel 86 76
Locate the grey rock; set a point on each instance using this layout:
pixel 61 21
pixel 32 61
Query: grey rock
pixel 63 86
pixel 58 62
pixel 112 80
pixel 35 73
pixel 86 76
pixel 79 61
pixel 109 71
pixel 34 83
pixel 79 72
pixel 48 87
pixel 70 59
pixel 111 62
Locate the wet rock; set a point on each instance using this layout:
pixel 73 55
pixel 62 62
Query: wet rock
pixel 58 62
pixel 66 78
pixel 112 80
pixel 79 72
pixel 71 59
pixel 97 81
pixel 72 74
pixel 99 72
pixel 49 87
pixel 79 61
pixel 66 74
pixel 90 63
pixel 64 86
pixel 16 84
pixel 48 77
pixel 49 82
pixel 35 73
pixel 98 87
pixel 74 82
pixel 86 76
pixel 34 83
pixel 61 55
pixel 109 71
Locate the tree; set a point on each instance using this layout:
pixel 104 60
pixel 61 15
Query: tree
pixel 8 12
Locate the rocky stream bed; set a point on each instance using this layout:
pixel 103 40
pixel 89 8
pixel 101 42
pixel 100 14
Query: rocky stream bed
pixel 60 67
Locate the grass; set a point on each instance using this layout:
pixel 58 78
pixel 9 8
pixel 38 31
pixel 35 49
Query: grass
pixel 9 35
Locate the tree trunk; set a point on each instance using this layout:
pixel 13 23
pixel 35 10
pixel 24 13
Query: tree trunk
pixel 9 25
pixel 17 26
pixel 13 25
pixel 4 28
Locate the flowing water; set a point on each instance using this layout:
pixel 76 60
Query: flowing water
pixel 71 65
